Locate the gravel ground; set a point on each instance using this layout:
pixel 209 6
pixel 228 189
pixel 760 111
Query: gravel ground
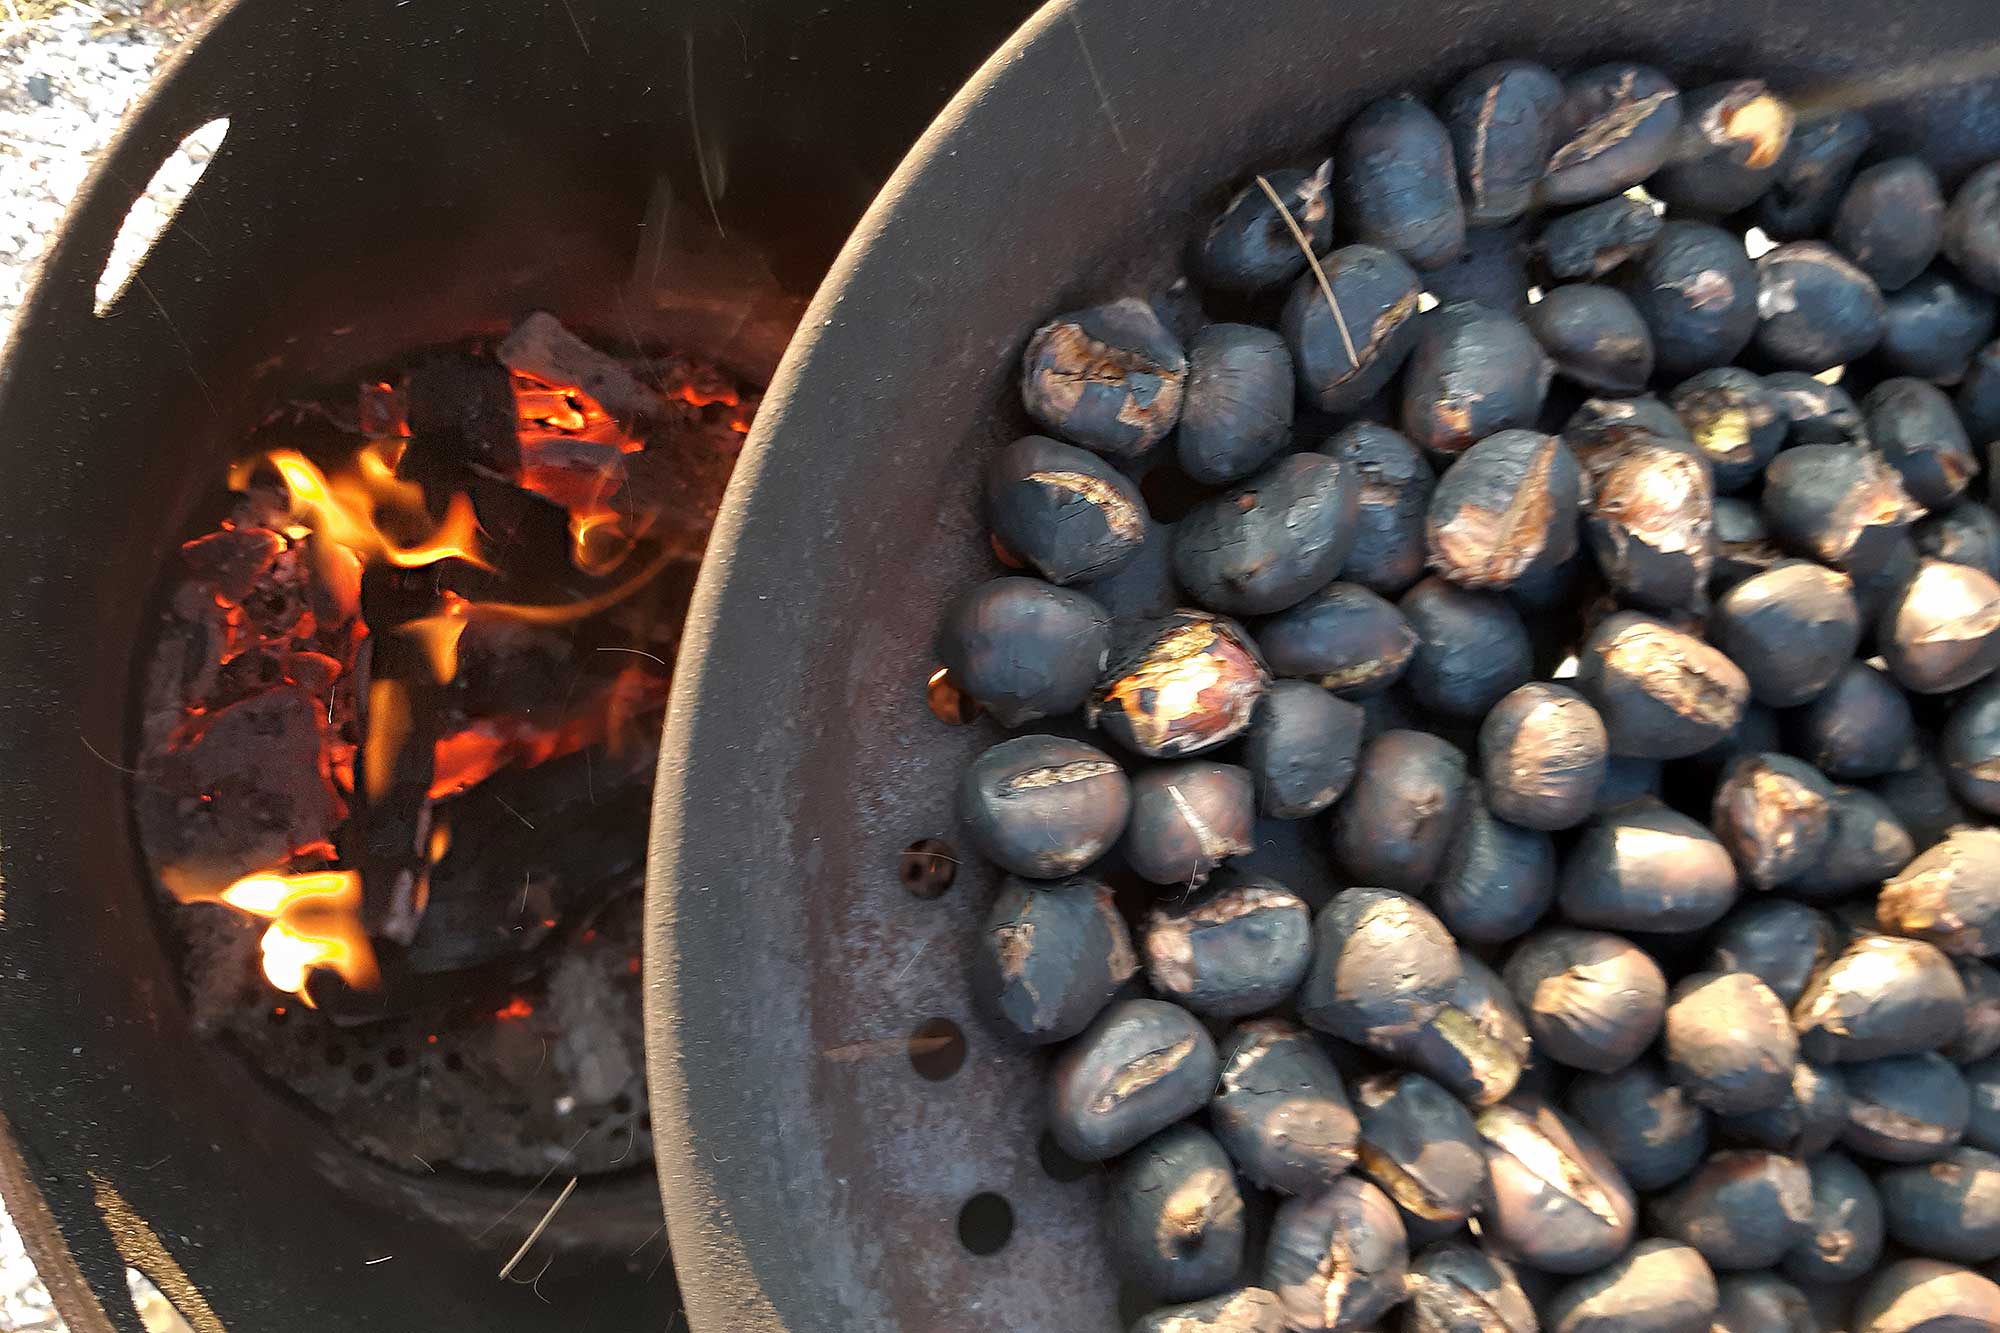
pixel 68 72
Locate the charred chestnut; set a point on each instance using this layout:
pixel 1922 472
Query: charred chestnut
pixel 1971 748
pixel 1817 413
pixel 1419 1145
pixel 1736 422
pixel 1553 1198
pixel 1502 120
pixel 1279 1108
pixel 1891 220
pixel 1388 551
pixel 1980 1037
pixel 1396 182
pixel 1472 649
pixel 1966 534
pixel 1905 1108
pixel 1921 800
pixel 1023 648
pixel 1506 510
pixel 1346 346
pixel 1497 879
pixel 1650 520
pixel 1618 125
pixel 1592 1001
pixel 1867 845
pixel 1143 588
pixel 1933 326
pixel 1401 810
pixel 1109 378
pixel 1658 1286
pixel 1455 1288
pixel 1044 806
pixel 1813 173
pixel 1475 371
pixel 1844 1232
pixel 1249 247
pixel 1238 410
pixel 1775 815
pixel 1663 694
pixel 1841 506
pixel 1591 242
pixel 1780 942
pixel 1815 309
pixel 1808 1119
pixel 1742 542
pixel 1477 1044
pixel 1595 337
pixel 1978 396
pixel 1881 996
pixel 1382 967
pixel 1627 780
pixel 1173 1217
pixel 1301 749
pixel 1143 1065
pixel 1651 1128
pixel 1276 537
pixel 1063 510
pixel 1542 754
pixel 1859 726
pixel 1743 1209
pixel 1646 867
pixel 1697 291
pixel 1918 432
pixel 1949 895
pixel 1792 629
pixel 1949 1208
pixel 1942 631
pixel 1051 956
pixel 1338 1259
pixel 1760 1303
pixel 1729 1042
pixel 1187 819
pixel 1232 949
pixel 1925 1296
pixel 1972 228
pixel 1179 685
pixel 1732 137
pixel 1245 1310
pixel 1343 637
pixel 1982 1080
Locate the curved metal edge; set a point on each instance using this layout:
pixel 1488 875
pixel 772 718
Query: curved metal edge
pixel 46 1245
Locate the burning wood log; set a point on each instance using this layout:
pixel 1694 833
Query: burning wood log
pixel 542 347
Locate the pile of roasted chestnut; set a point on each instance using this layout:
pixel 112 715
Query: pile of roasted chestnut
pixel 1656 737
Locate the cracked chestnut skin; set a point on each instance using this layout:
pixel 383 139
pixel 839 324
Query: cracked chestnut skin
pixel 1388 551
pixel 1109 378
pixel 1264 545
pixel 1043 806
pixel 1650 521
pixel 1592 241
pixel 1592 1000
pixel 1502 120
pixel 1343 638
pixel 1458 1288
pixel 1472 649
pixel 1382 967
pixel 1860 726
pixel 1732 137
pixel 1506 510
pixel 1905 1108
pixel 1617 126
pixel 1816 413
pixel 1346 351
pixel 1844 1232
pixel 1553 1199
pixel 1023 648
pixel 1917 430
pixel 1401 812
pixel 1063 510
pixel 1736 422
pixel 1248 248
pixel 1477 1044
pixel 1971 748
pixel 1891 220
pixel 1475 371
pixel 1419 1145
pixel 1775 815
pixel 1542 755
pixel 1697 291
pixel 1791 629
pixel 1173 1216
pixel 1051 956
pixel 1808 1119
pixel 1663 694
pixel 1932 327
pixel 1337 1259
pixel 1646 867
pixel 1949 895
pixel 1729 1042
pixel 1926 1296
pixel 1245 1310
pixel 1942 631
pixel 1396 183
pixel 1947 1209
pixel 1187 819
pixel 1237 947
pixel 1280 1110
pixel 1743 1209
pixel 1179 685
pixel 1595 337
pixel 1141 1066
pixel 1238 410
pixel 1650 1128
pixel 1301 749
pixel 1658 1286
pixel 1882 995
pixel 1812 174
pixel 1815 309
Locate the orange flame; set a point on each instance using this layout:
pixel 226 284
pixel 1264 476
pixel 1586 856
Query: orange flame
pixel 315 922
pixel 344 508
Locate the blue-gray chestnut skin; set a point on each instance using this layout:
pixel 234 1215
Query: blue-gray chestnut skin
pixel 1472 649
pixel 1603 422
pixel 1869 843
pixel 1627 780
pixel 1024 648
pixel 1761 1303
pixel 1921 800
pixel 1187 819
pixel 1342 638
pixel 1844 1236
pixel 1618 124
pixel 1245 1310
pixel 1882 996
pixel 1917 430
pixel 1732 137
pixel 1542 754
pixel 1663 694
pixel 1388 552
pixel 1248 248
pixel 1646 867
pixel 1396 183
pixel 1729 1042
pixel 1237 947
pixel 1502 119
pixel 1457 1288
pixel 1497 880
pixel 1816 310
pixel 1591 242
pixel 1382 967
pixel 1932 327
pixel 1815 413
pixel 1891 220
pixel 1301 749
pixel 1981 1035
pixel 1775 815
pixel 1477 1044
pixel 1173 1216
pixel 1809 1118
pixel 1592 1001
pixel 1143 1065
pixel 1658 1286
pixel 1346 350
pixel 1338 1259
pixel 1972 228
pixel 1778 941
pixel 1649 1127
pixel 1792 629
pixel 1736 422
pixel 1839 505
pixel 1949 1208
pixel 1965 534
pixel 1475 371
pixel 1051 957
pixel 1949 895
pixel 1697 290
pixel 1109 378
pixel 1982 1078
pixel 1743 1209
pixel 1401 811
pixel 1043 806
pixel 1926 1296
pixel 1860 726
pixel 1272 539
pixel 1506 510
pixel 1905 1108
pixel 1063 510
pixel 1418 1143
pixel 1143 588
pixel 1650 521
pixel 1554 1200
pixel 1971 747
pixel 1279 1108
pixel 1238 410
pixel 1941 631
pixel 1812 174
